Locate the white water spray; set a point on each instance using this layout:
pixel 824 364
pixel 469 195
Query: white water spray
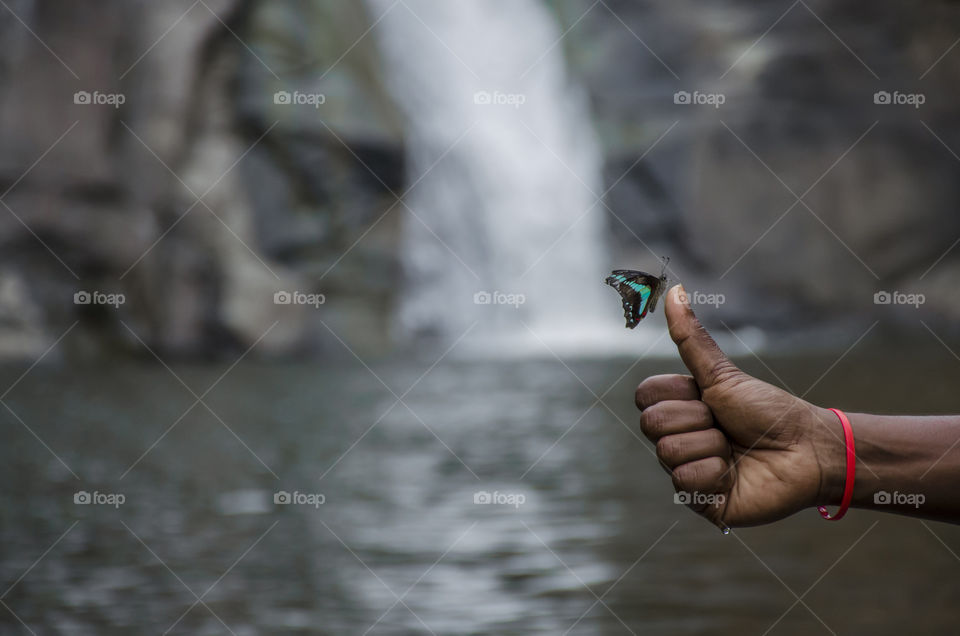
pixel 508 209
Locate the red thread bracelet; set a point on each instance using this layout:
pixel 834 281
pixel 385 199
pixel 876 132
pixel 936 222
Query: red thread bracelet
pixel 851 470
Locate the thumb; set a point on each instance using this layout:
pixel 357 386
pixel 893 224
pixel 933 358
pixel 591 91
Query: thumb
pixel 699 352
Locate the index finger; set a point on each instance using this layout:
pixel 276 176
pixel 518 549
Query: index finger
pixel 671 386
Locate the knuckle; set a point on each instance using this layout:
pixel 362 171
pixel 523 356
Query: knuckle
pixel 721 372
pixel 717 467
pixel 679 332
pixel 694 472
pixel 646 393
pixel 652 422
pixel 670 449
pixel 701 411
pixel 718 440
pixel 639 396
pixel 681 478
pixel 692 475
pixel 712 469
pixel 660 388
pixel 696 415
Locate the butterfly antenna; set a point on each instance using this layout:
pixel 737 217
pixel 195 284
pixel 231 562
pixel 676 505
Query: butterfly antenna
pixel 666 261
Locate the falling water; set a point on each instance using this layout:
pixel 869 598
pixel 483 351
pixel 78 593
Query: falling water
pixel 509 202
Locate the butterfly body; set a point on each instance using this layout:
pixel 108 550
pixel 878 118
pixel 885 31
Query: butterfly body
pixel 640 292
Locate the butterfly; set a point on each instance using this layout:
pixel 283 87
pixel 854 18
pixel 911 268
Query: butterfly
pixel 639 290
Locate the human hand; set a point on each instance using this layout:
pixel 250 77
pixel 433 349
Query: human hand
pixel 721 431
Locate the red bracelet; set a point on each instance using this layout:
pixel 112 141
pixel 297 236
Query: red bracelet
pixel 851 470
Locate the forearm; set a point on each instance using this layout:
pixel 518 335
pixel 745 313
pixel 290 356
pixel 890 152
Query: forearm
pixel 905 464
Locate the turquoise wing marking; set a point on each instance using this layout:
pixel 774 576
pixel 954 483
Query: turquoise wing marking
pixel 640 305
pixel 644 298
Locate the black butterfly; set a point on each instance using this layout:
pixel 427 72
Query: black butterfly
pixel 639 290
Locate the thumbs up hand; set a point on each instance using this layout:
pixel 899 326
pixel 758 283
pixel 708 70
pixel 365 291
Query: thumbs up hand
pixel 722 432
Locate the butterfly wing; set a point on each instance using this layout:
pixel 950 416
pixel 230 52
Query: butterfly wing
pixel 658 288
pixel 639 291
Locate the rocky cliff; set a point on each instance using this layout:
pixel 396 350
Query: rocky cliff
pixel 797 195
pixel 199 158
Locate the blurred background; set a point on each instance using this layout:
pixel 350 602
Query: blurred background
pixel 303 326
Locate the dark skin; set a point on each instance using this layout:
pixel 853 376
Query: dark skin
pixel 772 454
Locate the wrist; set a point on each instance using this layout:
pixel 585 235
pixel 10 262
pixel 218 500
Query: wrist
pixel 830 451
pixel 904 464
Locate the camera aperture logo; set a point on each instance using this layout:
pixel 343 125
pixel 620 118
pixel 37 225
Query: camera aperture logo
pixel 699 99
pixel 497 98
pixel 898 298
pixel 98 298
pixel 96 98
pixel 701 298
pixel 296 98
pixel 298 298
pixel 897 498
pixel 297 498
pixel 499 298
pixel 697 498
pixel 84 498
pixel 896 98
pixel 484 497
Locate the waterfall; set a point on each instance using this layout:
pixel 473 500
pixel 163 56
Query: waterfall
pixel 508 211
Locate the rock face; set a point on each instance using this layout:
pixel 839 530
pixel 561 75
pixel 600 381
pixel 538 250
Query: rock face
pixel 250 155
pixel 183 184
pixel 798 120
